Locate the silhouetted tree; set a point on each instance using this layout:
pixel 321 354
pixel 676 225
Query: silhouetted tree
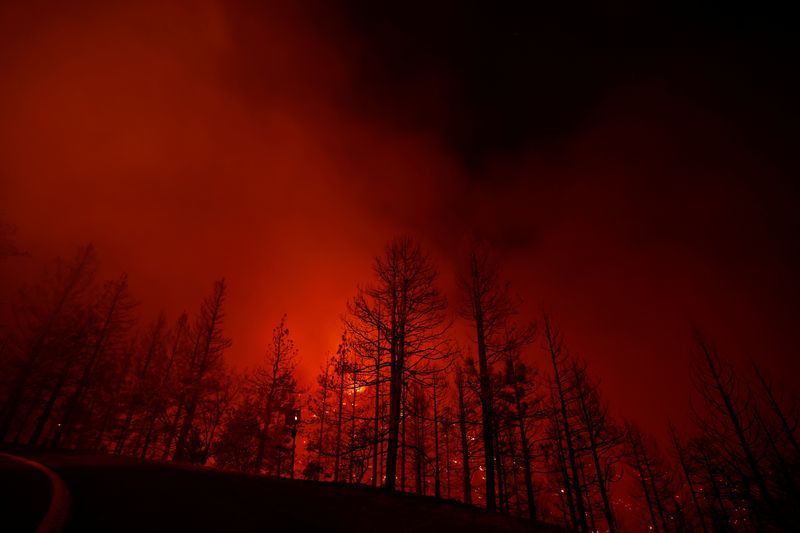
pixel 408 309
pixel 601 435
pixel 490 309
pixel 341 371
pixel 729 422
pixel 277 385
pixel 554 345
pixel 47 308
pixel 657 480
pixel 743 445
pixel 113 321
pixel 144 379
pixel 157 419
pixel 238 443
pixel 70 352
pixel 525 409
pixel 689 474
pixel 463 421
pixel 209 344
pixel 319 408
pixel 369 347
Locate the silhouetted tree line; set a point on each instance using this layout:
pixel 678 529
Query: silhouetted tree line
pixel 401 405
pixel 511 420
pixel 79 371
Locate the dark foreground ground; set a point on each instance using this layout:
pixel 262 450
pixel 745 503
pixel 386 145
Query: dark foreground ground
pixel 24 496
pixel 118 494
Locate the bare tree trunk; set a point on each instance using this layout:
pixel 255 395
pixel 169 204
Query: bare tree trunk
pixel 73 404
pixel 352 429
pixel 715 490
pixel 423 454
pixel 418 466
pixel 263 438
pixel 136 395
pixel 514 474
pixel 395 393
pixel 403 447
pixel 500 470
pixel 755 470
pixel 562 463
pixel 173 428
pixel 656 496
pixel 486 411
pixel 79 272
pixel 555 349
pixel 209 328
pixel 462 424
pixel 776 408
pixel 339 422
pixel 447 457
pixel 159 403
pixel 325 386
pixel 376 422
pixel 406 292
pixel 636 451
pixel 599 471
pixel 685 469
pixel 181 452
pixel 210 440
pixel 112 405
pixel 585 492
pixel 526 457
pixel 437 482
pixel 41 422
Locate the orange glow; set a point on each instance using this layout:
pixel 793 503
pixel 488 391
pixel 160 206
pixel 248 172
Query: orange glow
pixel 192 142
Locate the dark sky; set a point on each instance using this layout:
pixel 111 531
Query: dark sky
pixel 634 167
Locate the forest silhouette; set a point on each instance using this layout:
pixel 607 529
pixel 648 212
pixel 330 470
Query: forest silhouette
pixel 504 417
pixel 490 266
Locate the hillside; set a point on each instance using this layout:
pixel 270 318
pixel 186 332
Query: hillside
pixel 120 494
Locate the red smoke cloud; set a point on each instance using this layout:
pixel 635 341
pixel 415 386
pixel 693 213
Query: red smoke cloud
pixel 199 141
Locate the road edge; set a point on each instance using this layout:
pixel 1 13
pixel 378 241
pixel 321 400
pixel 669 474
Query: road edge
pixel 56 516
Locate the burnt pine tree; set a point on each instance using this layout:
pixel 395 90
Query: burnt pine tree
pixel 656 480
pixel 487 304
pixel 603 437
pixel 463 420
pixel 209 345
pixel 410 312
pixel 141 387
pixel 148 389
pixel 276 383
pixel 46 308
pixel 525 410
pixel 688 474
pixel 787 420
pixel 729 422
pixel 222 402
pixel 559 357
pixel 70 351
pixel 317 406
pixel 240 433
pixel 341 369
pixel 113 315
pixel 159 403
pixel 368 343
pixel 733 426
